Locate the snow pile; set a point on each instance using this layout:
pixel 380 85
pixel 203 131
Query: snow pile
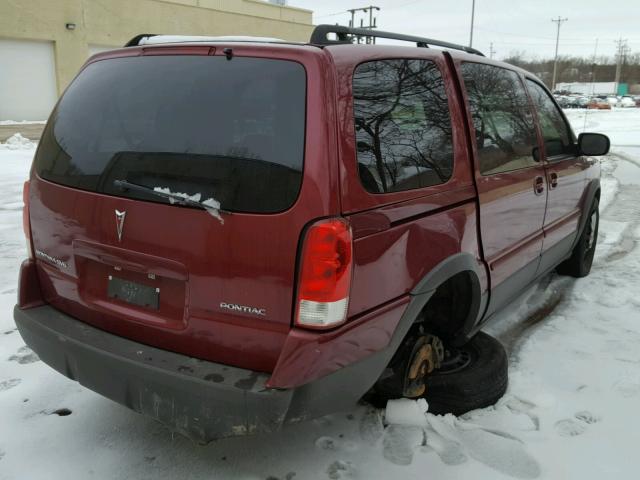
pixel 404 411
pixel 18 142
pixel 410 429
pixel 211 205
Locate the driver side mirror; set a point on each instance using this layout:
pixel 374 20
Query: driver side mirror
pixel 593 144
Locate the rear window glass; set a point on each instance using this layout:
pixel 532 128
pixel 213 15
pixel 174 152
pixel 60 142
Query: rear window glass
pixel 231 130
pixel 403 125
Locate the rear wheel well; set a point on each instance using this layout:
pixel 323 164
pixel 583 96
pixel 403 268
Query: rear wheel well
pixel 444 319
pixel 447 312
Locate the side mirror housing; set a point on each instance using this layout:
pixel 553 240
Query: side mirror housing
pixel 593 144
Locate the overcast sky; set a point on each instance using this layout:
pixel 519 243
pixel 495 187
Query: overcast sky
pixel 512 25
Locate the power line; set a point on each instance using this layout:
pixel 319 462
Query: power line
pixel 372 21
pixel 331 14
pixel 392 7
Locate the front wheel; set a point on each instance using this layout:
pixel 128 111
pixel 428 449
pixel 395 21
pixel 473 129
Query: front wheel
pixel 579 264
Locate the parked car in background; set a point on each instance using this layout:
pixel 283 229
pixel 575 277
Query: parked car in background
pixel 627 102
pixel 231 236
pixel 583 102
pixel 598 104
pixel 562 100
pixel 613 100
pixel 572 102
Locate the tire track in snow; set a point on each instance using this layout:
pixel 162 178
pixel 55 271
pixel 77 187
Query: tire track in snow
pixel 624 208
pixel 513 337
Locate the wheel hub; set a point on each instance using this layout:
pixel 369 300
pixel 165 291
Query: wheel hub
pixel 426 356
pixel 454 360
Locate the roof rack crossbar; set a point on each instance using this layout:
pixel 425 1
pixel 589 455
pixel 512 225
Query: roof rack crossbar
pixel 346 35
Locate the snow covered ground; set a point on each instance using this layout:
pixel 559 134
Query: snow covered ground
pixel 571 410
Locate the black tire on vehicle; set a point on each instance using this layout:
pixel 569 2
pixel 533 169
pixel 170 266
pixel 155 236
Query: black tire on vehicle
pixel 579 264
pixel 481 382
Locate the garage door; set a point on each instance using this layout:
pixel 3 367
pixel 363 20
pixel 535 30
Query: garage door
pixel 28 80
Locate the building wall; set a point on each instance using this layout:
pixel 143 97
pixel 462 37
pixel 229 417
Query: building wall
pixel 111 23
pixel 595 88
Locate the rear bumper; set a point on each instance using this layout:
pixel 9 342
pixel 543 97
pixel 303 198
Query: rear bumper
pixel 199 399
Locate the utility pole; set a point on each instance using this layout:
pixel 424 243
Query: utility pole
pixel 473 14
pixel 491 50
pixel 593 68
pixel 559 21
pixel 372 20
pixel 620 57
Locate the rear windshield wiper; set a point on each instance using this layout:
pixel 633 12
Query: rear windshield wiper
pixel 174 198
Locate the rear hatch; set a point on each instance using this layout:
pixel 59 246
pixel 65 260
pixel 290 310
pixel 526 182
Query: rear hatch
pixel 136 132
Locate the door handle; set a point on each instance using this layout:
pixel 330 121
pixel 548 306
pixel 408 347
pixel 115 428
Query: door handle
pixel 553 180
pixel 538 185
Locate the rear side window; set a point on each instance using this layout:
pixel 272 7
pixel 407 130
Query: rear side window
pixel 504 128
pixel 557 139
pixel 229 130
pixel 403 126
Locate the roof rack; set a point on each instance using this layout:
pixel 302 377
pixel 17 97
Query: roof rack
pixel 347 35
pixel 134 42
pixel 155 39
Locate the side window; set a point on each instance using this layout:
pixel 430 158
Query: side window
pixel 505 132
pixel 403 127
pixel 556 134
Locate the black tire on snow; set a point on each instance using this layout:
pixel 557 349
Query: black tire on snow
pixel 479 384
pixel 579 264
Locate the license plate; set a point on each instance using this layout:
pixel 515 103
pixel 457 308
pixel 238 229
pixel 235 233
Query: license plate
pixel 134 293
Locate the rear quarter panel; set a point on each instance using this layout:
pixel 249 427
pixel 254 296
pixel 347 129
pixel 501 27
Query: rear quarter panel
pixel 400 237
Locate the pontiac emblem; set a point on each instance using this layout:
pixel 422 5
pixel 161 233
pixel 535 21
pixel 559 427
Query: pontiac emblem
pixel 120 223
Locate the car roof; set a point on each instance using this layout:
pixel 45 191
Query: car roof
pixel 339 47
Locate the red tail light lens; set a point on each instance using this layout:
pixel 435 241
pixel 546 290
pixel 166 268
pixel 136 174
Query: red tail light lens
pixel 26 224
pixel 325 274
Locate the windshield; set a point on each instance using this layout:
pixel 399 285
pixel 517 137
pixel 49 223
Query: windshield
pixel 230 130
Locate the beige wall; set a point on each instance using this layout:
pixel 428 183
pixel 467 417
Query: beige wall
pixel 114 22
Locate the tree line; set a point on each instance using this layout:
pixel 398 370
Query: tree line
pixel 580 69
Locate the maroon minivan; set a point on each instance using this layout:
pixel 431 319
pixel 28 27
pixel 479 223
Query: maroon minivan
pixel 231 235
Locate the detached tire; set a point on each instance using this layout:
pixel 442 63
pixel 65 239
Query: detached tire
pixel 579 264
pixel 480 382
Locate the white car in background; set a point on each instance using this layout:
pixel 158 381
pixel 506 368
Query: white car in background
pixel 613 101
pixel 626 101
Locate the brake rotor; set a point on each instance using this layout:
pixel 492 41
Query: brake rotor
pixel 426 356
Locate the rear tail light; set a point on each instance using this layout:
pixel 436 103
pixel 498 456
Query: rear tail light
pixel 325 274
pixel 26 224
